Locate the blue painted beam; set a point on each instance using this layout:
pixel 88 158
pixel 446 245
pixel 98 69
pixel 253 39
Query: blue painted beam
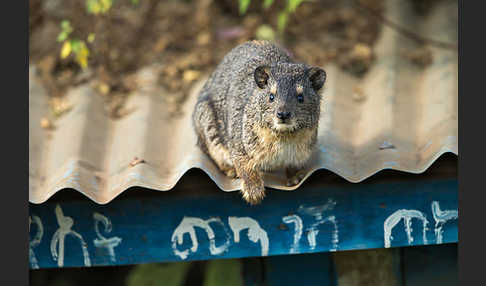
pixel 165 228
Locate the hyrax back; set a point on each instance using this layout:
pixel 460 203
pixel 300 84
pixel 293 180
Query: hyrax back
pixel 259 111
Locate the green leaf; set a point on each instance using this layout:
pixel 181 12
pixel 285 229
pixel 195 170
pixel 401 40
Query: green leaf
pixel 105 5
pixel 293 4
pixel 267 3
pixel 66 26
pixel 98 6
pixel 265 32
pixel 93 7
pixel 91 37
pixel 244 6
pixel 65 50
pixel 282 22
pixel 62 36
pixel 135 2
pixel 75 46
pixel 82 55
pixel 66 29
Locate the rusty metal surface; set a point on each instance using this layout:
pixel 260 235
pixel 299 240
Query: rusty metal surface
pixel 398 116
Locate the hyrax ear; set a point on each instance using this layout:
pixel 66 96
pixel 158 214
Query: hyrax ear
pixel 261 76
pixel 317 77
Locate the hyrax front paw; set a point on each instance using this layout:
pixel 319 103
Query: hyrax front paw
pixel 253 190
pixel 294 177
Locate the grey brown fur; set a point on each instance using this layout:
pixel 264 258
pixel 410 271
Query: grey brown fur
pixel 259 111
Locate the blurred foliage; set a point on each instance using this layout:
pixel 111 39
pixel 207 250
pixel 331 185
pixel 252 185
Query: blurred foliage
pixel 244 6
pixel 119 38
pixel 267 3
pixel 222 272
pixel 283 16
pixel 78 47
pixel 66 29
pixel 73 46
pixel 91 37
pixel 153 274
pixel 265 32
pixel 98 6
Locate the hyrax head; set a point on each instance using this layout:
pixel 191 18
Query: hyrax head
pixel 288 95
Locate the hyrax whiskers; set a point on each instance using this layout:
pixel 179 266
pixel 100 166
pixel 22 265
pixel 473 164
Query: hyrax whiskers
pixel 259 111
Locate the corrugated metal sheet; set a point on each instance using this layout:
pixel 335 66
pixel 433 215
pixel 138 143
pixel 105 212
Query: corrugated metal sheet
pixel 403 118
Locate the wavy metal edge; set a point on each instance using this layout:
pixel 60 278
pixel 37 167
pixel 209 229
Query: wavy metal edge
pixel 151 186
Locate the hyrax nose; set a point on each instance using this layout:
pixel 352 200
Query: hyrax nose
pixel 283 115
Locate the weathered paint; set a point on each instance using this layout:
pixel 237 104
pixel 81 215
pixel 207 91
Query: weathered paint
pixel 406 216
pixel 255 232
pixel 441 217
pixel 35 241
pixel 57 243
pixel 188 225
pixel 102 242
pixel 297 221
pixel 141 229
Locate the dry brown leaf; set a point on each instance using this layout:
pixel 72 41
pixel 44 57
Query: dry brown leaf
pixel 45 123
pixel 136 161
pixel 59 106
pixel 103 88
pixel 191 75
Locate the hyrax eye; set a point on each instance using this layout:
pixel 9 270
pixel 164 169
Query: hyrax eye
pixel 300 98
pixel 272 97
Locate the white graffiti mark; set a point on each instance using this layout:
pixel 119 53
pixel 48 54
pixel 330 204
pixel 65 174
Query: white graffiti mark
pixel 255 232
pixel 407 216
pixel 103 242
pixel 65 225
pixel 35 241
pixel 187 226
pixel 295 219
pixel 441 217
pixel 312 232
pixel 318 213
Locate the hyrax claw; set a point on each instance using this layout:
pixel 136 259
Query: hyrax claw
pixel 231 173
pixel 294 178
pixel 253 194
